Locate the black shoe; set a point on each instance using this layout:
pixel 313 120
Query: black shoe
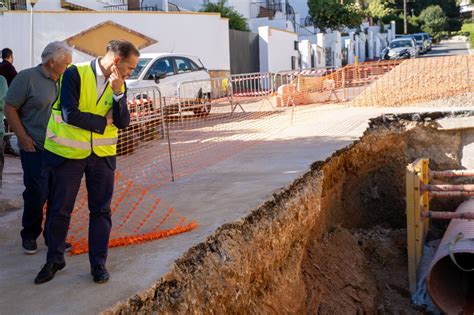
pixel 29 246
pixel 48 271
pixel 11 151
pixel 100 274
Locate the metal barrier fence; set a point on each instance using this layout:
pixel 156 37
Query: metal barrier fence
pixel 200 96
pixel 252 88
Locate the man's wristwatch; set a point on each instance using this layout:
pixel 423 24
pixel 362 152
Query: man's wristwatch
pixel 118 94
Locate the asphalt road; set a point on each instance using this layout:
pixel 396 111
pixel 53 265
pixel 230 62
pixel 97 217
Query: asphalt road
pixel 447 48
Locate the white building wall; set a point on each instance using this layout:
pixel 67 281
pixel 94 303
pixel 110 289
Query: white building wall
pixel 254 24
pixel 319 60
pixel 362 47
pixel 203 35
pixel 49 5
pixel 337 49
pixel 356 47
pixel 242 6
pixel 349 45
pixel 377 45
pixel 305 50
pixel 370 39
pixel 393 30
pixel 276 49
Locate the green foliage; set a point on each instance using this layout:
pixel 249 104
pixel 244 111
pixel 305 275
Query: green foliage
pixel 331 14
pixel 387 10
pixel 449 7
pixel 236 20
pixel 434 20
pixel 378 9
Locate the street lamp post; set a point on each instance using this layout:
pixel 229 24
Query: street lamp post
pixel 405 28
pixel 32 50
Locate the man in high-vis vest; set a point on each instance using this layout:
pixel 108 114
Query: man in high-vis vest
pixel 81 138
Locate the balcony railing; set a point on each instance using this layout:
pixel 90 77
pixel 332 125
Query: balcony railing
pixel 13 5
pixel 266 9
pixel 125 7
pixel 303 31
pixel 173 7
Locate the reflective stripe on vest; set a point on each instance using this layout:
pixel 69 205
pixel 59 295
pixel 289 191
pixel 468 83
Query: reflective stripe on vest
pixel 68 142
pixel 76 143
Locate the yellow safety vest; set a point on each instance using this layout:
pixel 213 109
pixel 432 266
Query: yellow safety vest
pixel 76 143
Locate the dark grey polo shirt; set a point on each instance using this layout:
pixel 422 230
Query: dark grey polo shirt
pixel 33 93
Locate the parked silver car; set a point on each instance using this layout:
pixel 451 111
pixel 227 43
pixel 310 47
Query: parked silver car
pixel 428 40
pixel 421 42
pixel 400 48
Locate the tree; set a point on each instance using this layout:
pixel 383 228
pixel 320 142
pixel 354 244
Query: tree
pixel 450 8
pixel 434 20
pixel 379 9
pixel 236 20
pixel 331 14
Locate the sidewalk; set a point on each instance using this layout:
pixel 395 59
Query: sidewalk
pixel 12 186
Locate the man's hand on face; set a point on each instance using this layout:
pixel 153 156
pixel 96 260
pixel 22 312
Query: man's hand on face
pixel 116 80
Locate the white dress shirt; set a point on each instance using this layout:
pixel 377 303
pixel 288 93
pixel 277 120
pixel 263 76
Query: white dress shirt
pixel 102 82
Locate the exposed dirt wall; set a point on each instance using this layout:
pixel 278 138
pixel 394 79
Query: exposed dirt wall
pixel 273 260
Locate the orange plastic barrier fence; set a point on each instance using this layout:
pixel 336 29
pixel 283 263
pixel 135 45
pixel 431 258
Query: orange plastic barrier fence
pixel 208 121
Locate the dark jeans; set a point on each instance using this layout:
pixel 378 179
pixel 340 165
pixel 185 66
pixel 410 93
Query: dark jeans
pixel 36 181
pixel 66 177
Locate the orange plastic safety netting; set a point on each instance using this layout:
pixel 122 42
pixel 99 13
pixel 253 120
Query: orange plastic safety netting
pixel 207 121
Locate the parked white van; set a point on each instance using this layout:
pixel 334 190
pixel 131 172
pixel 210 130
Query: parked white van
pixel 169 71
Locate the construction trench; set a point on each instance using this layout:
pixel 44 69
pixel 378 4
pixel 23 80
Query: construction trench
pixel 332 242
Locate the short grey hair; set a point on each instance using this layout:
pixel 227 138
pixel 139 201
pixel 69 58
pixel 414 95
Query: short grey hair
pixel 55 50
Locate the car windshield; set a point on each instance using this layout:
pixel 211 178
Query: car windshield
pixel 419 37
pixel 142 63
pixel 400 43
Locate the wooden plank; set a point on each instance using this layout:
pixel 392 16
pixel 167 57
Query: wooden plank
pixel 417 211
pixel 425 202
pixel 411 239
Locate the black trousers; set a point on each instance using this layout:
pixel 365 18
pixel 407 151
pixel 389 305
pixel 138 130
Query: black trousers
pixel 36 181
pixel 66 178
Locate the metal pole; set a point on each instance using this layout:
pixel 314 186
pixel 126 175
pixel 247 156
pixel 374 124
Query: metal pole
pixel 169 145
pixel 32 37
pixel 405 31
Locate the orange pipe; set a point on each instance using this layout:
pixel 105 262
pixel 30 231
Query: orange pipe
pixel 449 194
pixel 467 188
pixel 447 215
pixel 451 173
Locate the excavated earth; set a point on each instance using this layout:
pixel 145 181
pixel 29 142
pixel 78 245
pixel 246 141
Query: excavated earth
pixel 332 242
